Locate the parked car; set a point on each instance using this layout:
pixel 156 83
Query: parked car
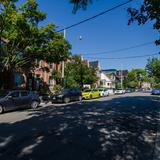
pixel 103 92
pixel 129 90
pixel 90 93
pixel 119 91
pixel 45 98
pixel 17 99
pixel 67 95
pixel 110 91
pixel 155 92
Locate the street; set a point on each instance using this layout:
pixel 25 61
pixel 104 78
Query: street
pixel 121 127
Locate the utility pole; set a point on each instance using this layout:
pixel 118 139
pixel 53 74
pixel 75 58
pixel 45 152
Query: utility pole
pixel 64 36
pixel 81 72
pixel 121 78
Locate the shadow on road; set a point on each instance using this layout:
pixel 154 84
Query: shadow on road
pixel 120 129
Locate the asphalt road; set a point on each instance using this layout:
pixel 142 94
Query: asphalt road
pixel 113 128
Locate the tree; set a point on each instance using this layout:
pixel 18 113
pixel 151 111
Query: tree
pixel 148 11
pixel 153 69
pixel 80 4
pixel 56 75
pixel 77 73
pixel 136 77
pixel 22 40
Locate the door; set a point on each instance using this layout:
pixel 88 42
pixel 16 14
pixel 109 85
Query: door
pixel 72 94
pixel 24 99
pixel 13 100
pixel 77 94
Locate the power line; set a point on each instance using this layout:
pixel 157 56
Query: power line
pixel 129 57
pixel 95 16
pixel 120 50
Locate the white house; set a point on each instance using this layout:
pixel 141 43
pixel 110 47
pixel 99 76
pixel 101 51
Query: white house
pixel 105 81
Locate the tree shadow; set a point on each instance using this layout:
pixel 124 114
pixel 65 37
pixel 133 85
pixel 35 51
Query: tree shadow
pixel 123 128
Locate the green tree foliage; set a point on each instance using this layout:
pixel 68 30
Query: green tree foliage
pixel 56 75
pixel 148 11
pixel 135 77
pixel 153 69
pixel 22 39
pixel 77 73
pixel 77 4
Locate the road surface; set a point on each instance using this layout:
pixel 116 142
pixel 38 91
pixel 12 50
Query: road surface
pixel 121 127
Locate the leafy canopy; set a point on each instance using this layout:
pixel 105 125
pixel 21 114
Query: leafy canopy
pixel 153 69
pixel 22 39
pixel 135 77
pixel 78 73
pixel 148 11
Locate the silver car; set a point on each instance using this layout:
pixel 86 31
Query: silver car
pixel 18 99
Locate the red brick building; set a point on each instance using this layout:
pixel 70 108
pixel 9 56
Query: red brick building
pixel 41 77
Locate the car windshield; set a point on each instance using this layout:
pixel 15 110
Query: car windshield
pixel 64 91
pixel 3 93
pixel 88 90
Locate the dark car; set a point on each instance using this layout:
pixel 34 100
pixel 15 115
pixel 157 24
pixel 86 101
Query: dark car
pixel 155 92
pixel 45 98
pixel 11 100
pixel 67 95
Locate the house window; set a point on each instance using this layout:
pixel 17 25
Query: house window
pixel 50 81
pixel 50 65
pixel 37 62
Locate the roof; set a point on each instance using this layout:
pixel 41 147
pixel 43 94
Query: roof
pixel 109 70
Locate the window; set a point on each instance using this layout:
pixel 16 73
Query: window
pixel 37 62
pixel 14 94
pixel 50 65
pixel 23 94
pixel 50 81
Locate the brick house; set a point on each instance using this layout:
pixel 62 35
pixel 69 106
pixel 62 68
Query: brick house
pixel 41 76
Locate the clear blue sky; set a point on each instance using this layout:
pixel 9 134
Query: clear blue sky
pixel 105 33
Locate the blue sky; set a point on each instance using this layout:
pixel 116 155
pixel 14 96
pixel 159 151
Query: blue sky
pixel 105 33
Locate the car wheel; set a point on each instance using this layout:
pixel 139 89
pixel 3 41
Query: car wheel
pixel 34 104
pixel 66 100
pixel 1 109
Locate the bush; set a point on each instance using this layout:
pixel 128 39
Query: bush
pixel 57 88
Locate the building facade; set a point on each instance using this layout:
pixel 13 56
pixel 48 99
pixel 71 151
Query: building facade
pixel 111 74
